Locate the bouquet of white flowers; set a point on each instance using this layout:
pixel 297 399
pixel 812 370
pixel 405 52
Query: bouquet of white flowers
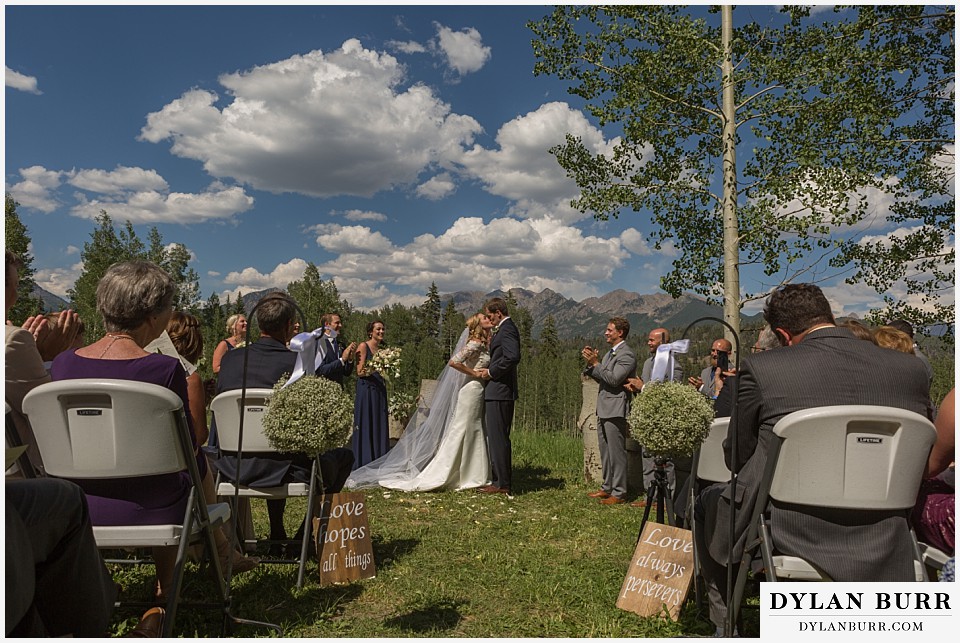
pixel 670 419
pixel 312 415
pixel 386 362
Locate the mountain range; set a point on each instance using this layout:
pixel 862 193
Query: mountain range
pixel 572 318
pixel 589 317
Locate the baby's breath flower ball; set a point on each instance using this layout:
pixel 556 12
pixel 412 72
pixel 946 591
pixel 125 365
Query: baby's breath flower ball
pixel 311 416
pixel 670 419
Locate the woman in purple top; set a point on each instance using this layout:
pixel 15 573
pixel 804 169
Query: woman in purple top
pixel 135 299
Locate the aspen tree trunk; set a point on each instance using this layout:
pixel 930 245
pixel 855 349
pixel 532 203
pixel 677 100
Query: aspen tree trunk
pixel 731 254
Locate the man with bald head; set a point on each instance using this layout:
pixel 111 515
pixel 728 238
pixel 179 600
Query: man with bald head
pixel 707 382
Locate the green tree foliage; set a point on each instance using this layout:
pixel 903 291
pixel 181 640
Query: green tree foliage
pixel 428 317
pixel 106 247
pixel 17 240
pixel 451 327
pixel 796 132
pixel 316 297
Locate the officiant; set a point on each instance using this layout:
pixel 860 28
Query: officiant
pixel 334 362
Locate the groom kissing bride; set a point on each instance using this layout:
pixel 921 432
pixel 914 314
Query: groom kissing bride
pixel 448 449
pixel 500 395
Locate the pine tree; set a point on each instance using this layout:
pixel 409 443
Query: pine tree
pixel 17 241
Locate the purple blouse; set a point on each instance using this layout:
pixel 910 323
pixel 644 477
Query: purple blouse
pixel 149 500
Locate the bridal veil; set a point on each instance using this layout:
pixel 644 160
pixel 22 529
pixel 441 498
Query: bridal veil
pixel 421 438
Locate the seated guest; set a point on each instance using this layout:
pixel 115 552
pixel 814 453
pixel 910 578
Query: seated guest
pixel 907 327
pixel 890 337
pixel 52 562
pixel 184 331
pixel 766 341
pixel 859 329
pixel 821 365
pixel 268 360
pixel 934 515
pixel 26 350
pixel 54 321
pixel 707 383
pixel 135 299
pixel 57 584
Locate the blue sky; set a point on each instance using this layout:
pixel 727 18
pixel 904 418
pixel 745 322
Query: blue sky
pixel 393 146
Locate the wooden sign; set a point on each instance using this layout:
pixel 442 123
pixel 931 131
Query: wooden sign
pixel 342 537
pixel 660 572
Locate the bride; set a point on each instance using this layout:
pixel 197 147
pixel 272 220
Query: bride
pixel 447 449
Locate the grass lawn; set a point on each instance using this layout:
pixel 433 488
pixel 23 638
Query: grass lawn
pixel 547 563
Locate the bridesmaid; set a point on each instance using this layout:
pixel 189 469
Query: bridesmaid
pixel 371 431
pixel 237 327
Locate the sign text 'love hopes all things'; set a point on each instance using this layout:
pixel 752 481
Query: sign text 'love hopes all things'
pixel 342 536
pixel 660 572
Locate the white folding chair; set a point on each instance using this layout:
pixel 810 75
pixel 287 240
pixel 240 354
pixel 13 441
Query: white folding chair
pixel 847 457
pixel 93 429
pixel 227 410
pixel 708 465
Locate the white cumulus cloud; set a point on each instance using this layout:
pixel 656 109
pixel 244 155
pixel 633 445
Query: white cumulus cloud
pixel 217 202
pixel 251 279
pixel 122 179
pixel 437 187
pixel 523 170
pixel 320 124
pixel 16 80
pixel 463 50
pixel 471 255
pixel 361 215
pixel 37 187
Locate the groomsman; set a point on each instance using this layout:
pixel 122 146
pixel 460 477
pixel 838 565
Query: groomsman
pixel 500 395
pixel 335 364
pixel 613 407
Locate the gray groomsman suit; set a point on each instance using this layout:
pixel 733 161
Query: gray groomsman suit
pixel 613 407
pixel 830 366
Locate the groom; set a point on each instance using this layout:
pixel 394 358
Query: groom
pixel 500 394
pixel 335 364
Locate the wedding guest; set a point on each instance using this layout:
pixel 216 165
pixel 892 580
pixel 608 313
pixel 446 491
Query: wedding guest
pixel 187 338
pixel 613 408
pixel 708 383
pixel 237 327
pixel 53 320
pixel 371 429
pixel 26 349
pixel 823 366
pixel 635 384
pixel 859 329
pixel 57 584
pixel 890 337
pixel 135 300
pixel 268 360
pixel 907 327
pixel 934 515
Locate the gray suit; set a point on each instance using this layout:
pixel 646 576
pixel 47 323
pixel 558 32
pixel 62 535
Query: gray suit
pixel 830 366
pixel 613 407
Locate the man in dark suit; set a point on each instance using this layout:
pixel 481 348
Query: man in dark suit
pixel 335 364
pixel 500 395
pixel 269 359
pixel 613 407
pixel 819 365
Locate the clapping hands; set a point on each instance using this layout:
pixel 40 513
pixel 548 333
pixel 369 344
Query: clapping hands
pixel 53 340
pixel 591 355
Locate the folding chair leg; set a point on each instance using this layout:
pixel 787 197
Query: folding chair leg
pixel 307 532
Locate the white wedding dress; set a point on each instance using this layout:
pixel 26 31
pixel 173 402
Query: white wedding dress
pixel 447 450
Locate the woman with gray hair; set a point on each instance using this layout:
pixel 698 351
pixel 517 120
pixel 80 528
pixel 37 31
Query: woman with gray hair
pixel 135 299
